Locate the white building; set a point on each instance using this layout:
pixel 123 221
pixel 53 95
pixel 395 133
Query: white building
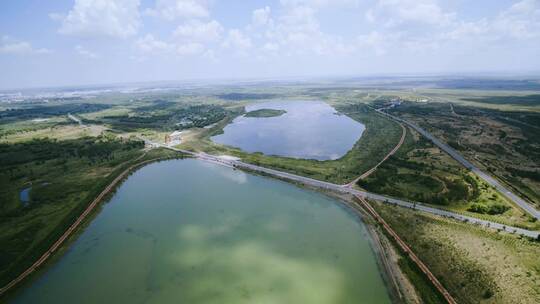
pixel 173 139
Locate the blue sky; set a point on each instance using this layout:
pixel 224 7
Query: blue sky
pixel 53 43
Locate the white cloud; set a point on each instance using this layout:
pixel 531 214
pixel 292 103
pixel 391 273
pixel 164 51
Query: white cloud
pixel 320 3
pixel 389 28
pixel 211 55
pixel 85 53
pixel 297 31
pixel 191 48
pixel 271 47
pixel 424 26
pixel 174 9
pixel 237 40
pixel 261 16
pixel 419 11
pixel 375 41
pixel 191 38
pixel 197 31
pixel 11 46
pixel 101 18
pixel 149 44
pixel 526 7
pixel 520 21
pixel 370 16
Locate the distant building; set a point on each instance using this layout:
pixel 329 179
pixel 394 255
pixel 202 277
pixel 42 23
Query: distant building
pixel 394 102
pixel 173 139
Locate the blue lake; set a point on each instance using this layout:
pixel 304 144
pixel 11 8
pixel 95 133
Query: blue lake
pixel 309 129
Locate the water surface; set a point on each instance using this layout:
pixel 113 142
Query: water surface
pixel 191 232
pixel 24 196
pixel 309 129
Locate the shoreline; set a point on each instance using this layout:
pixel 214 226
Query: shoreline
pixel 75 228
pixel 390 272
pixel 400 288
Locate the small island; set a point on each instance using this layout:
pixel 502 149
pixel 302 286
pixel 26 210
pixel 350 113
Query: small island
pixel 265 113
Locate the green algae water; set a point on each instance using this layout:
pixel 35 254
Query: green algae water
pixel 186 231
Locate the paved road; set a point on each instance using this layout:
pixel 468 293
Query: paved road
pixel 344 189
pixel 486 177
pixel 386 199
pixel 369 195
pixel 75 119
pixel 370 171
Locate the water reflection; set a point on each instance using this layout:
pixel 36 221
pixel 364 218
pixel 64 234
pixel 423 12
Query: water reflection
pixel 309 129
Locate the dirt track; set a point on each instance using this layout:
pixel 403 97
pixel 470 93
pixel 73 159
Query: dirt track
pixel 368 172
pixel 407 250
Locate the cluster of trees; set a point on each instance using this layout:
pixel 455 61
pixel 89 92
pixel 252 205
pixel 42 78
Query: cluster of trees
pixel 526 100
pixel 102 147
pixel 48 111
pixel 532 174
pixel 492 209
pixel 166 116
pixel 420 184
pixel 64 177
pixel 246 96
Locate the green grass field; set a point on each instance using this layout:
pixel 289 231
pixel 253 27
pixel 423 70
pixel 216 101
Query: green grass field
pixel 474 264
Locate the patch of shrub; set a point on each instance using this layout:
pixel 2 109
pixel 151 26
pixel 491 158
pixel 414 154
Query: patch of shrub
pixel 491 209
pixel 478 208
pixel 497 209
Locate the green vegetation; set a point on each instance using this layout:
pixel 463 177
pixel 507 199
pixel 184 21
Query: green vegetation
pixel 421 172
pixel 475 265
pixel 265 113
pixel 381 136
pixel 504 143
pixel 41 111
pixel 498 130
pixel 19 127
pixel 527 100
pixel 488 209
pixel 163 115
pixel 423 287
pixel 64 177
pixel 489 84
pixel 246 96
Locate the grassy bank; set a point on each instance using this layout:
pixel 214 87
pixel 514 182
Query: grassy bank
pixel 475 265
pixel 379 137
